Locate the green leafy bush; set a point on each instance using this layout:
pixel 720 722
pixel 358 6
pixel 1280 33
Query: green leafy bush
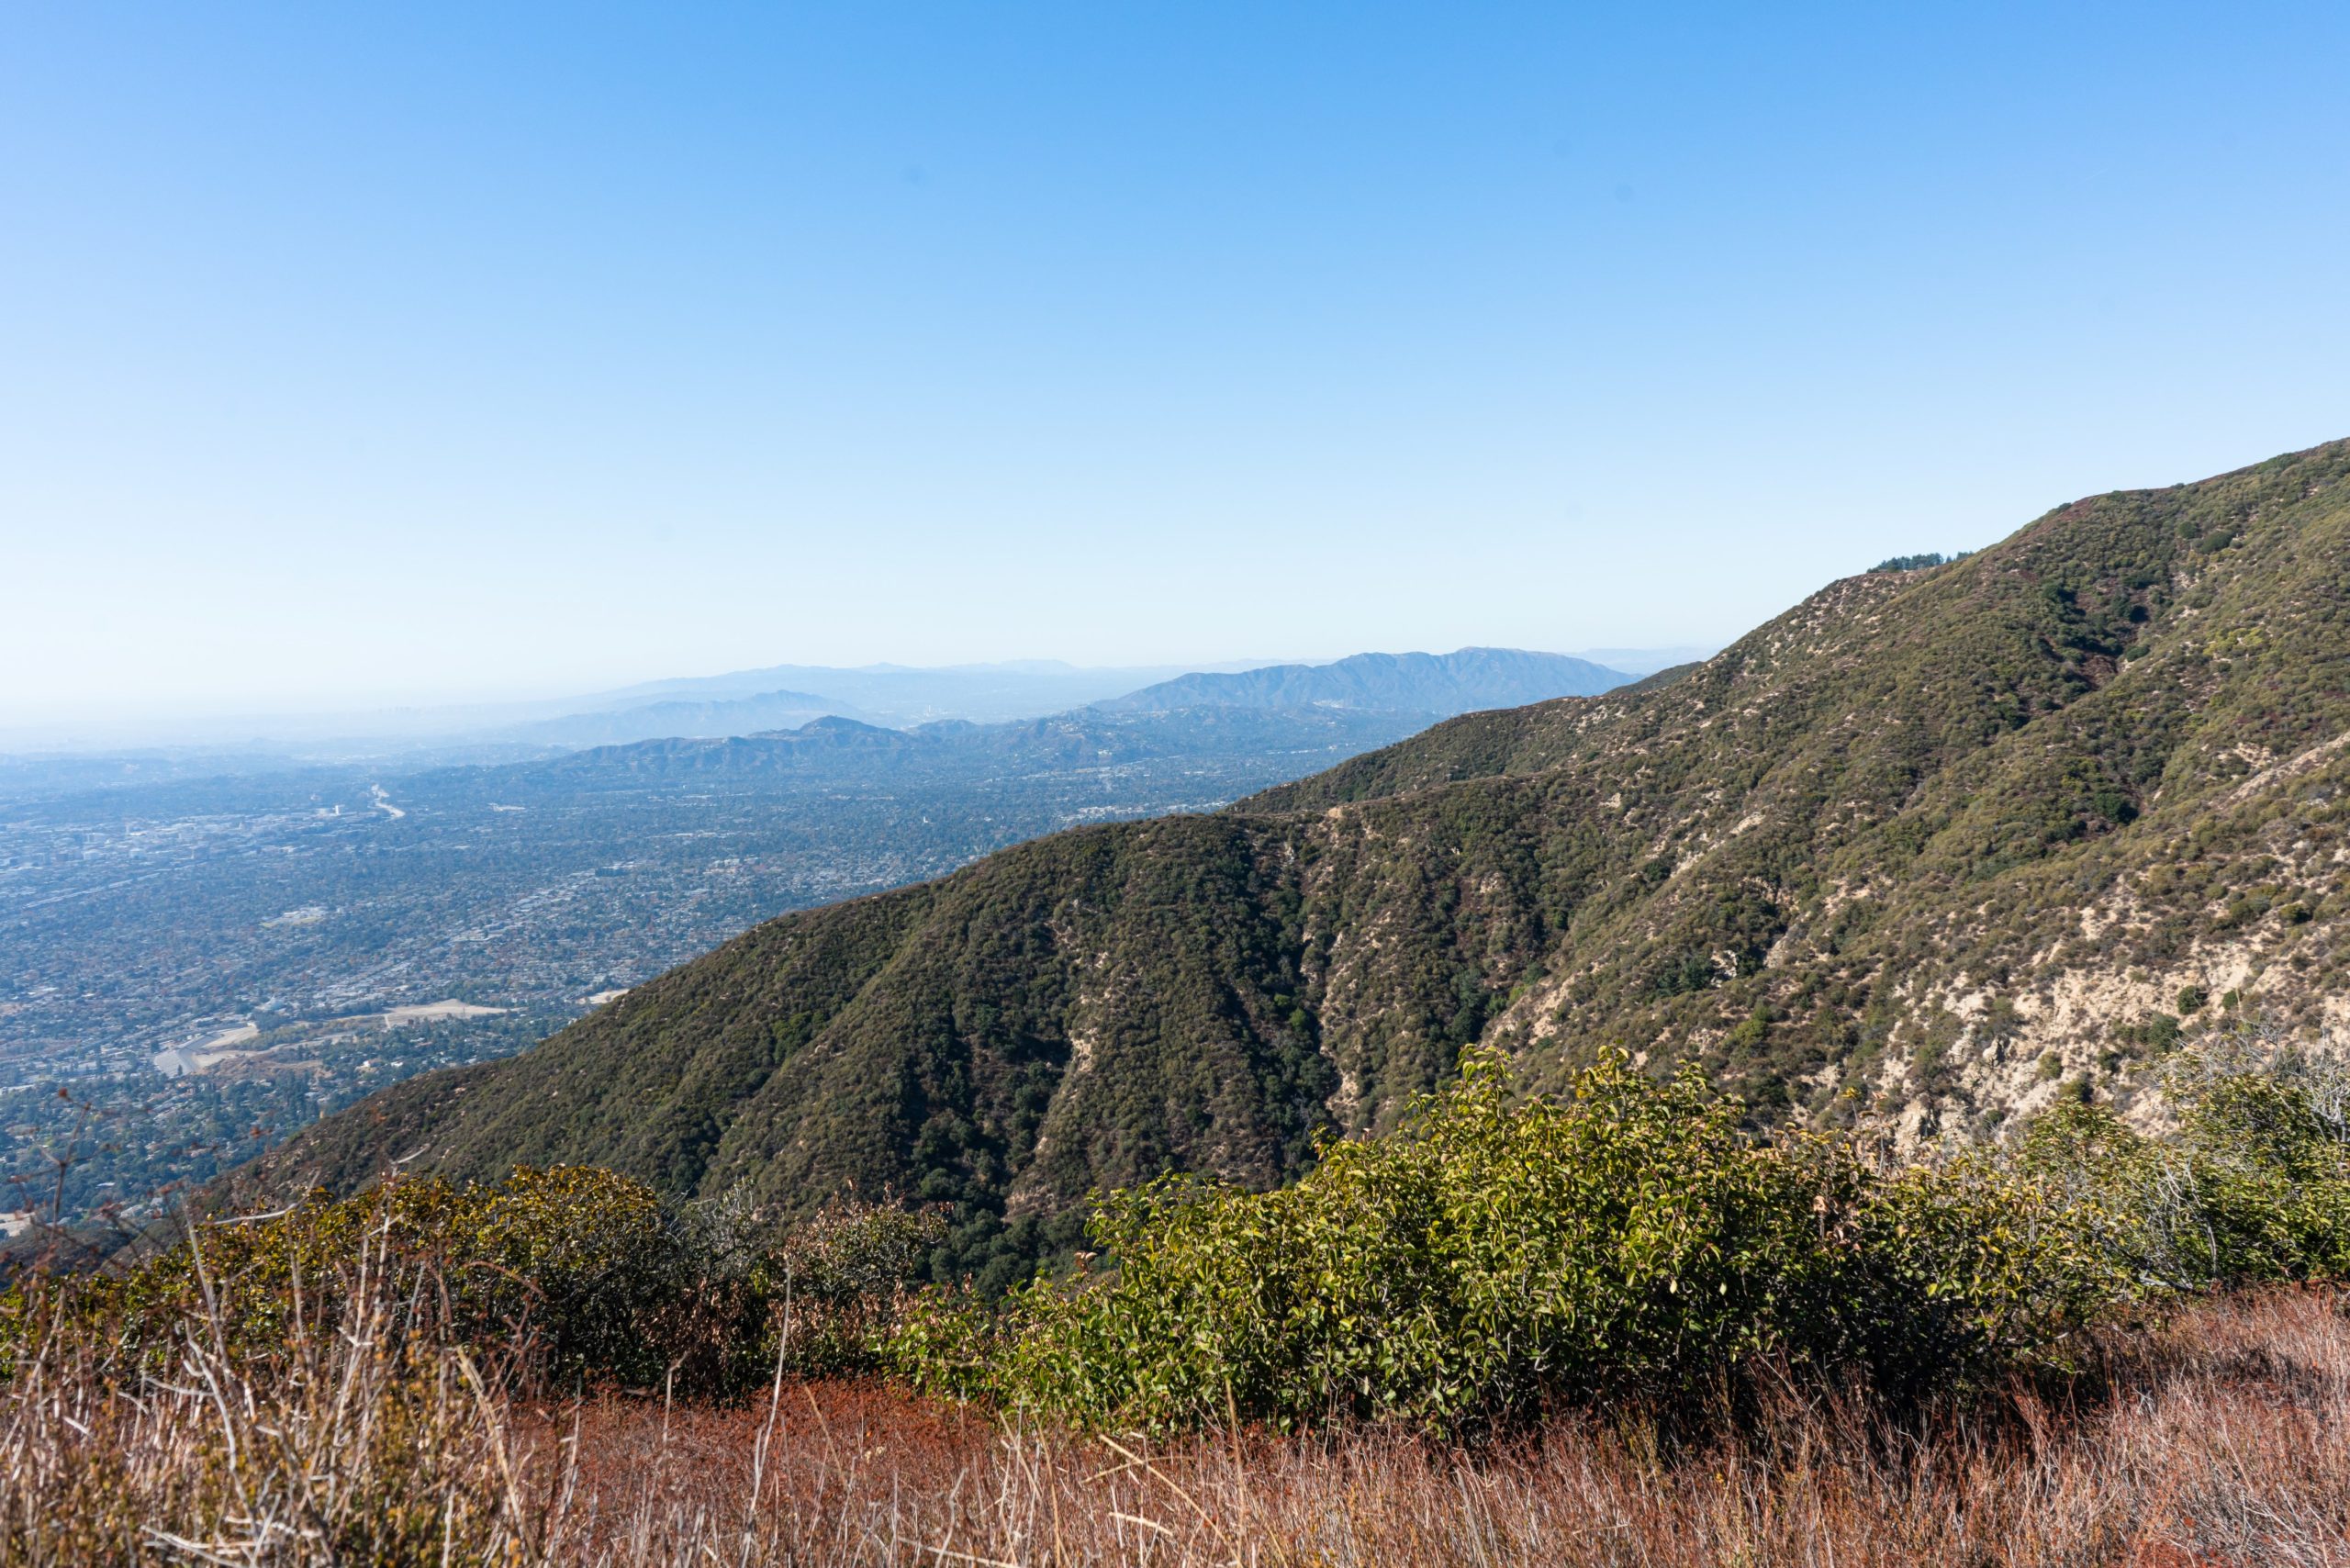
pixel 1498 1253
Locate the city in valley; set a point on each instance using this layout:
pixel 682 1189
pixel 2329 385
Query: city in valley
pixel 200 963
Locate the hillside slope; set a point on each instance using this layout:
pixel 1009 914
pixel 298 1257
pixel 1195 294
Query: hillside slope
pixel 1925 850
pixel 1437 683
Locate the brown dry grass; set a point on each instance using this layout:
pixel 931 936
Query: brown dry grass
pixel 2220 1438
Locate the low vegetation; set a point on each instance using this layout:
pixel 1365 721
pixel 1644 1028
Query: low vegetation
pixel 1511 1322
pixel 1500 1255
pixel 2221 1437
pixel 1918 563
pixel 564 1277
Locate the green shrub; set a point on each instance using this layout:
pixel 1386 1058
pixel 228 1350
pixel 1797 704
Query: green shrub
pixel 1496 1254
pixel 2253 1188
pixel 572 1273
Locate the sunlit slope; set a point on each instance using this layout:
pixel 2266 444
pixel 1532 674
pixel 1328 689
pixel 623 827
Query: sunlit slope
pixel 1929 846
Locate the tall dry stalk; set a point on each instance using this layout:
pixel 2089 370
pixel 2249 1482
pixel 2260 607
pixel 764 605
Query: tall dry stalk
pixel 2223 1438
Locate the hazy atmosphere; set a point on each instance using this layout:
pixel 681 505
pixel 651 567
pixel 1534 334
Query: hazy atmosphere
pixel 381 356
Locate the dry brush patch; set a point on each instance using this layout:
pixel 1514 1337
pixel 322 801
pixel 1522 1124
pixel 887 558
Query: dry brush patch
pixel 2111 1364
pixel 2222 1436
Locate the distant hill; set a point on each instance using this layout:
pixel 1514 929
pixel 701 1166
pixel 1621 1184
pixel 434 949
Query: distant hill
pixel 843 751
pixel 1440 685
pixel 1422 686
pixel 1924 852
pixel 678 717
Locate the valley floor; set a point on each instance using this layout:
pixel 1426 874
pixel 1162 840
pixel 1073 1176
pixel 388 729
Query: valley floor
pixel 2220 1438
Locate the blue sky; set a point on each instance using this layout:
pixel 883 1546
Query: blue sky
pixel 427 352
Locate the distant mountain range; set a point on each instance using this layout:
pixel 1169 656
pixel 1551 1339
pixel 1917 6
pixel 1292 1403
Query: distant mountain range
pixel 1924 852
pixel 1350 705
pixel 1441 685
pixel 786 697
pixel 883 694
pixel 844 751
pixel 50 759
pixel 685 718
pixel 1421 685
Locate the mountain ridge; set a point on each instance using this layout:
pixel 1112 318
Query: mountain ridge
pixel 682 718
pixel 1436 684
pixel 853 750
pixel 1919 853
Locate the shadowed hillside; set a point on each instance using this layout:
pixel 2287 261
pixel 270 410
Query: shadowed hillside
pixel 1931 846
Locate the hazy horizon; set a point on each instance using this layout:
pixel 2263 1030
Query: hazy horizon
pixel 439 355
pixel 94 727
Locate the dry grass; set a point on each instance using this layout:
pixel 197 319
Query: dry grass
pixel 2222 1438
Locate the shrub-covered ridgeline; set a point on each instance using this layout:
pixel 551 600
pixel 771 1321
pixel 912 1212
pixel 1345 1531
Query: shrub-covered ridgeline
pixel 1895 859
pixel 1496 1256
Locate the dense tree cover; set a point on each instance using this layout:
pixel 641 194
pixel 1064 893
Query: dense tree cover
pixel 1852 866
